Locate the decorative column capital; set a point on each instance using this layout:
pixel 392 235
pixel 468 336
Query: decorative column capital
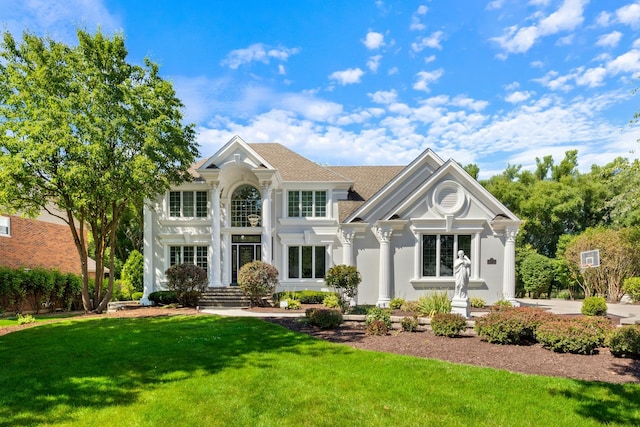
pixel 347 236
pixel 511 233
pixel 383 234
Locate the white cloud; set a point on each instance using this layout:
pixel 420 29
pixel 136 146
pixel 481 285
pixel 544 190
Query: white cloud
pixel 629 14
pixel 517 97
pixel 373 63
pixel 537 64
pixel 425 78
pixel 565 41
pixel 416 25
pixel 609 40
pixel 495 4
pixel 384 97
pixel 429 59
pixel 521 39
pixel 257 52
pixel 373 40
pixel 592 77
pixel 603 19
pixel 433 41
pixel 628 62
pixel 349 76
pixel 58 19
pixel 281 70
pixel 393 70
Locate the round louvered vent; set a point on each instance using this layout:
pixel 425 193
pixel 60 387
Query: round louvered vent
pixel 449 197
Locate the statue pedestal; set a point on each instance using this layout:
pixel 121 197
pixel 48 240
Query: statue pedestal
pixel 461 306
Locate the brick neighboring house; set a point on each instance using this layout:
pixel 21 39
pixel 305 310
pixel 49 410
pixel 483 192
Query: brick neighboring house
pixel 45 241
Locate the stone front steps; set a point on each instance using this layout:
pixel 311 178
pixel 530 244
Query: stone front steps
pixel 227 297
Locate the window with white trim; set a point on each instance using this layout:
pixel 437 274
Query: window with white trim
pixel 439 252
pixel 197 255
pixel 307 262
pixel 303 204
pixel 188 204
pixel 5 226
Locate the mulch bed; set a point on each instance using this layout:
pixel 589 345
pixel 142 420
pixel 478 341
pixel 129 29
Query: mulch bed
pixel 468 349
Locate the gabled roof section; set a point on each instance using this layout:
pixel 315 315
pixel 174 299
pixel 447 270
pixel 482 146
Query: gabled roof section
pixel 293 167
pixel 367 181
pixel 490 203
pixel 236 145
pixel 426 163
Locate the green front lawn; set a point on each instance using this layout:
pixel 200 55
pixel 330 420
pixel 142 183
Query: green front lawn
pixel 212 371
pixel 13 320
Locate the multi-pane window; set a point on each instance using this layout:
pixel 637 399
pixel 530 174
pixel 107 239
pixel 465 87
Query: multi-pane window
pixel 188 255
pixel 246 202
pixel 188 204
pixel 307 262
pixel 439 253
pixel 307 204
pixel 5 226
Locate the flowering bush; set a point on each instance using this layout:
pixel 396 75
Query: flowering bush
pixel 448 324
pixel 516 325
pixel 573 335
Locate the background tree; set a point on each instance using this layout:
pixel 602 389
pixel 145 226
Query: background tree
pixel 133 271
pixel 85 130
pixel 537 272
pixel 619 259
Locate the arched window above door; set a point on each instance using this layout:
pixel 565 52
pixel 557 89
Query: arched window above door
pixel 246 204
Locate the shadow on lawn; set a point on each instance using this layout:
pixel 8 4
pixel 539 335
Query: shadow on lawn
pixel 49 372
pixel 606 403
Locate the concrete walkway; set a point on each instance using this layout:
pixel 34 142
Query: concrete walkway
pixel 630 313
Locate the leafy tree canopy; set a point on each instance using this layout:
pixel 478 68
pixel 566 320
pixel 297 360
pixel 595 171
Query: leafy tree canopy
pixel 83 129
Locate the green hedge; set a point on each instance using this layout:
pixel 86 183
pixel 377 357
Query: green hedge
pixel 163 297
pixel 511 325
pixel 625 341
pixel 324 318
pixel 580 335
pixel 305 297
pixel 39 288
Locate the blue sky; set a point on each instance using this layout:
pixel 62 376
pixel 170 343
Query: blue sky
pixel 378 82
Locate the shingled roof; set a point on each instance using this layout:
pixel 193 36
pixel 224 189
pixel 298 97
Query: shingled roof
pixel 368 180
pixel 293 167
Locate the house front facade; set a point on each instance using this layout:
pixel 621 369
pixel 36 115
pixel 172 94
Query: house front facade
pixel 400 226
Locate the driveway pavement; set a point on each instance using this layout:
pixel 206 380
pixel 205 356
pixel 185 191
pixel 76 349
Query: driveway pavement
pixel 629 312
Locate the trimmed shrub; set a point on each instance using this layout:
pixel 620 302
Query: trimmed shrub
pixel 409 324
pixel 410 307
pixel 396 303
pixel 631 287
pixel 163 297
pixel 573 335
pixel 377 328
pixel 501 304
pixel 257 280
pixel 594 306
pixel 477 302
pixel 188 281
pixel 361 309
pixel 324 318
pixel 133 271
pixel 293 304
pixel 516 325
pixel 437 302
pixel 305 297
pixel 332 301
pixel 448 324
pixel 624 341
pixel 136 296
pixel 345 280
pixel 377 313
pixel 23 319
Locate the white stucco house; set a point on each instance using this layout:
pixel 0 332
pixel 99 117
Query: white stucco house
pixel 401 226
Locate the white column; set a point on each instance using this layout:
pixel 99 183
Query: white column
pixel 149 254
pixel 266 222
pixel 215 236
pixel 475 262
pixel 509 274
pixel 346 237
pixel 384 280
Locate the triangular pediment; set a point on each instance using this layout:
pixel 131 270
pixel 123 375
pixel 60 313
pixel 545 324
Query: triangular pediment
pixel 387 197
pixel 235 152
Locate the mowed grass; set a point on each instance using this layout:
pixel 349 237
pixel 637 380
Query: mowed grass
pixel 213 371
pixel 13 320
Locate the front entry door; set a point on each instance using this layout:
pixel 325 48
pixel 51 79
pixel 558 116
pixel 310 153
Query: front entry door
pixel 244 249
